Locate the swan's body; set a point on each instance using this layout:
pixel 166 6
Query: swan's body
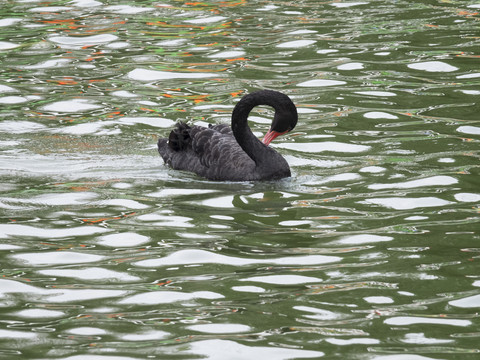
pixel 235 154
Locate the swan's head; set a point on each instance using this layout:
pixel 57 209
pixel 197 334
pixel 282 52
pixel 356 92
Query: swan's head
pixel 285 120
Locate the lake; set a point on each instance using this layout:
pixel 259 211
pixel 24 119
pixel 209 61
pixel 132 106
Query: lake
pixel 369 251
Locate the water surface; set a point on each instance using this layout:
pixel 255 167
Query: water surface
pixel 369 251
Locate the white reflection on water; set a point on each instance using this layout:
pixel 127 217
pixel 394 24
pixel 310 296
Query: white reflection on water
pixel 5 88
pixel 145 336
pixel 125 239
pixel 420 338
pixel 46 9
pixel 220 328
pixel 124 203
pixel 296 44
pixel 88 128
pixel 9 247
pixel 57 257
pixel 167 220
pixel 318 314
pixel 95 357
pixel 20 126
pixel 154 75
pixel 316 147
pixel 283 279
pixel 430 181
pixel 219 202
pixel 123 94
pixel 97 127
pixel 93 273
pixel 372 169
pixel 71 166
pixel 172 42
pixel 55 295
pixel 294 222
pixel 206 20
pixel 335 179
pixel 18 99
pixel 404 357
pixel 11 286
pixel 151 121
pixel 39 313
pixel 327 51
pixel 118 45
pixel 55 199
pixel 352 341
pixel 78 41
pixel 415 218
pixel 409 320
pixel 433 66
pixel 192 235
pixel 179 191
pixel 467 197
pixel 472 130
pixel 351 66
pixel 468 302
pixel 127 9
pixel 9 21
pixel 469 76
pixel 347 4
pixel 48 64
pixel 362 239
pixel 399 203
pixel 8 230
pixel 378 299
pixel 121 185
pixel 321 83
pixel 6 45
pixel 303 31
pixel 165 297
pixel 13 334
pixel 7 143
pixel 470 92
pixel 85 330
pixel 379 115
pixel 376 93
pixel 251 289
pixel 185 257
pixel 86 3
pixel 67 295
pixel 268 8
pixel 227 54
pixel 302 161
pixel 71 106
pixel 225 349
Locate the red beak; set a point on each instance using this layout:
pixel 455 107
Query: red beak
pixel 270 135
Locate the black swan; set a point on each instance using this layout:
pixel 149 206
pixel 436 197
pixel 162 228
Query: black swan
pixel 233 154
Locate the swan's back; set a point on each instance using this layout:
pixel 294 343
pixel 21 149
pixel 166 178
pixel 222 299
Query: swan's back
pixel 210 152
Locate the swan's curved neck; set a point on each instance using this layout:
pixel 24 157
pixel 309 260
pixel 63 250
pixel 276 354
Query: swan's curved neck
pixel 252 146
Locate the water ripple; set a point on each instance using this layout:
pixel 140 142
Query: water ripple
pixel 369 250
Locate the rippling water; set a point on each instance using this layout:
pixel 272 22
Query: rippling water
pixel 370 250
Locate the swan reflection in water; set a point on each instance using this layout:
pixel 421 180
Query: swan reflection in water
pixel 234 153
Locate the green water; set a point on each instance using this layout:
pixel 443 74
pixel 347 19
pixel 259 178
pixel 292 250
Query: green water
pixel 369 251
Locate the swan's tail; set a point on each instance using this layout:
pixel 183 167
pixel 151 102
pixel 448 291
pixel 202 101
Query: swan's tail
pixel 178 140
pixel 179 137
